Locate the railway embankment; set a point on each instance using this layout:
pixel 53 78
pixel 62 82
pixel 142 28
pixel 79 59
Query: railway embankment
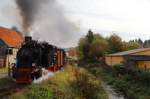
pixel 71 83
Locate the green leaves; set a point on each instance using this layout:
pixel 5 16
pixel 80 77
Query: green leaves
pixel 92 47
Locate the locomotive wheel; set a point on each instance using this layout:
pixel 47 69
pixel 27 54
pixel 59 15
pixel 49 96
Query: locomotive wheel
pixel 36 74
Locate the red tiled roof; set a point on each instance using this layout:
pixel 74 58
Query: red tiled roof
pixel 10 37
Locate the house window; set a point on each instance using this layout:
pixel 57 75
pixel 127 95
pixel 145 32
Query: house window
pixel 9 52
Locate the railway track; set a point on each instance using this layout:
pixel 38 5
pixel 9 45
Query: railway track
pixel 9 89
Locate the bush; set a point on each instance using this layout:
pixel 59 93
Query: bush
pixel 144 78
pixel 119 69
pixel 121 86
pixel 133 83
pixel 86 85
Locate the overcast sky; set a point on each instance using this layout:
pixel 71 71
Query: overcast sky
pixel 128 18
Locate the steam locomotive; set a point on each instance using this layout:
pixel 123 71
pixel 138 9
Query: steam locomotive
pixel 33 56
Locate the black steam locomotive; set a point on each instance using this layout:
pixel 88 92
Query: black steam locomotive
pixel 33 56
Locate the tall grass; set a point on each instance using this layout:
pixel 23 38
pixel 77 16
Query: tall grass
pixel 133 84
pixel 72 83
pixel 34 92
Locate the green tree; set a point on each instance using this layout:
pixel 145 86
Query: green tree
pixel 82 49
pixel 92 47
pixel 115 44
pixel 130 45
pixel 85 45
pixel 140 42
pixel 146 44
pixel 98 48
pixel 90 36
pixel 134 45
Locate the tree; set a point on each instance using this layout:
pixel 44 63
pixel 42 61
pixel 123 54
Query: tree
pixel 140 42
pixel 85 45
pixel 115 44
pixel 92 47
pixel 146 44
pixel 130 45
pixel 98 48
pixel 83 49
pixel 90 36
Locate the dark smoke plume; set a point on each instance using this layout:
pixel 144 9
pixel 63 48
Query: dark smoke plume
pixel 28 9
pixel 45 20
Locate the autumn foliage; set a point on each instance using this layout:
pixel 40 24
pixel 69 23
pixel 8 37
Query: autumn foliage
pixel 93 47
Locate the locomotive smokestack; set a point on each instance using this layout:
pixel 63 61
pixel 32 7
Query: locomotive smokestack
pixel 28 39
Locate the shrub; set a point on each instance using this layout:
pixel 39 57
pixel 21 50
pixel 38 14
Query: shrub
pixel 133 83
pixel 121 86
pixel 86 85
pixel 119 69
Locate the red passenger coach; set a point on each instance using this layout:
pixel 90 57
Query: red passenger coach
pixel 59 60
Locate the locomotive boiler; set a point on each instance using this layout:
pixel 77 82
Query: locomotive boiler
pixel 33 56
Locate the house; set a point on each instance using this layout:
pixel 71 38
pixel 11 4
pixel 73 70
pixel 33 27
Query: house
pixel 139 57
pixel 72 53
pixel 10 41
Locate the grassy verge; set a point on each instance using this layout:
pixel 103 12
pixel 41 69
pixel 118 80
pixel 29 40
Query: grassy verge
pixel 72 83
pixel 34 92
pixel 132 85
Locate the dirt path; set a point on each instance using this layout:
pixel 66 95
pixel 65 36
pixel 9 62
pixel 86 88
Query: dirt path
pixel 110 92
